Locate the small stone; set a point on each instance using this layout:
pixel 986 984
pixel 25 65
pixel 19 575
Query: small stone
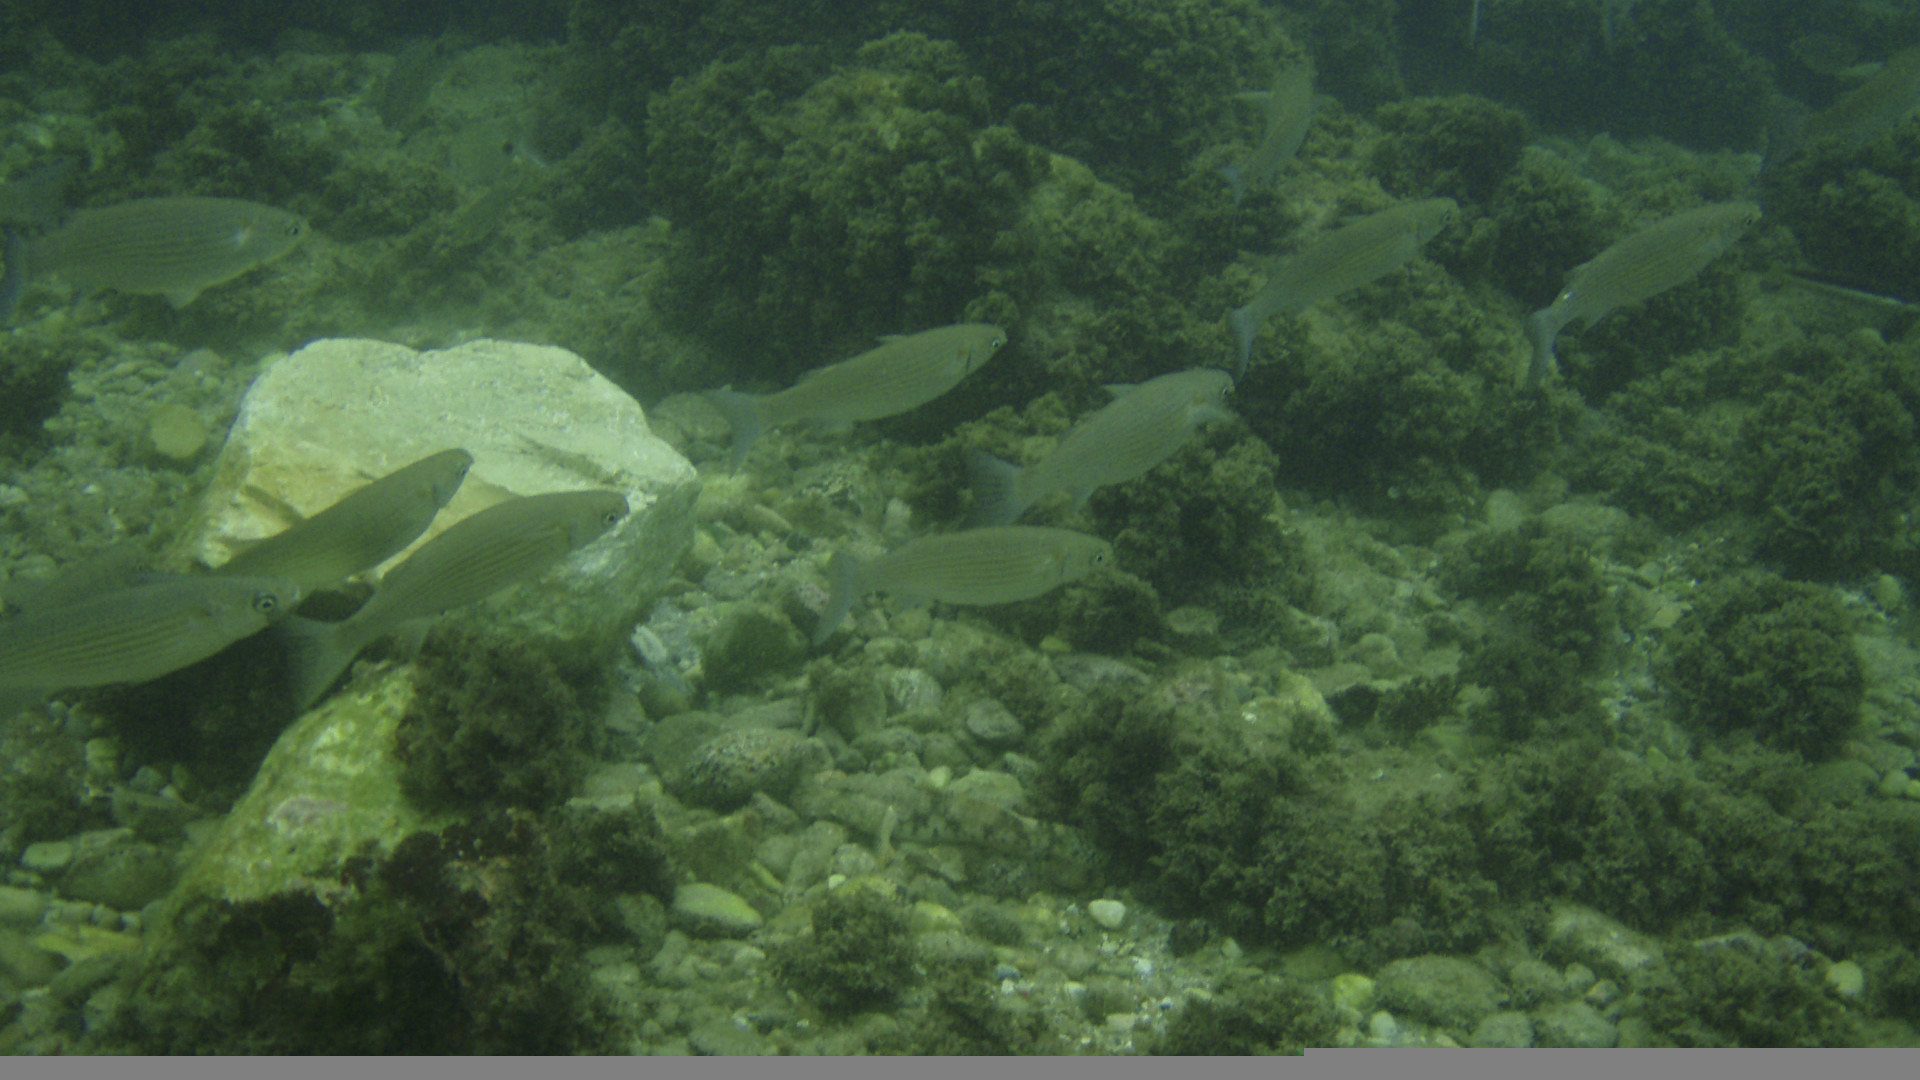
pixel 1443 990
pixel 1913 789
pixel 1895 783
pixel 1508 1030
pixel 1353 992
pixel 711 911
pixel 1847 979
pixel 1572 1024
pixel 1108 913
pixel 21 907
pixel 732 766
pixel 123 878
pixel 1121 1022
pixel 176 432
pixel 991 723
pixel 47 856
pixel 1604 944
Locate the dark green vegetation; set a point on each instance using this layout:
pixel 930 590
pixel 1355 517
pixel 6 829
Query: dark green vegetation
pixel 464 941
pixel 1673 70
pixel 496 721
pixel 860 954
pixel 1810 449
pixel 1264 1015
pixel 1289 844
pixel 1771 658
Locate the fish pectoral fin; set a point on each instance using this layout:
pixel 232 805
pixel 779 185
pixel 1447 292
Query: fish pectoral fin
pixel 180 298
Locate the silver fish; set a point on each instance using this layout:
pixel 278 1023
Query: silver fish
pixel 977 566
pixel 1344 259
pixel 900 374
pixel 1875 106
pixel 134 634
pixel 361 531
pixel 477 556
pixel 1143 426
pixel 1642 265
pixel 174 247
pixel 1288 111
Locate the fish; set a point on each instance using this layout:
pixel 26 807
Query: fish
pixel 1344 259
pixel 1141 427
pixel 1874 107
pixel 477 556
pixel 115 566
pixel 976 566
pixel 133 634
pixel 1642 265
pixel 900 374
pixel 1288 110
pixel 173 247
pixel 371 525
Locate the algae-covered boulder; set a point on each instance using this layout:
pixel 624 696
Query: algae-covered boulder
pixel 536 419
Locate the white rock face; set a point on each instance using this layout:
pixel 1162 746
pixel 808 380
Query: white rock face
pixel 536 419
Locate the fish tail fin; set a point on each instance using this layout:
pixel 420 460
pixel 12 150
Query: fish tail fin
pixel 1236 180
pixel 843 576
pixel 743 414
pixel 317 652
pixel 996 490
pixel 1542 327
pixel 1241 321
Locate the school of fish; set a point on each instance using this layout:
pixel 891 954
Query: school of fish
pixel 107 622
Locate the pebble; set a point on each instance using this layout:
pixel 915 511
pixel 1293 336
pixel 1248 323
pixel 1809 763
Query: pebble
pixel 1503 1029
pixel 21 907
pixel 126 878
pixel 733 765
pixel 1443 990
pixel 991 723
pixel 47 856
pixel 1572 1024
pixel 1847 979
pixel 1603 944
pixel 711 911
pixel 1108 913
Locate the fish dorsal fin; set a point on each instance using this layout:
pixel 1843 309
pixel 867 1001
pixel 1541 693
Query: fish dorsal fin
pixel 1118 390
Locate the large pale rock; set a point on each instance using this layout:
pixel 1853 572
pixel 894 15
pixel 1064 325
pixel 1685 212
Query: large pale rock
pixel 338 413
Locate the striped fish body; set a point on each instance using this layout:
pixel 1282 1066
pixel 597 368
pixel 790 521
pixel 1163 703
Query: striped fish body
pixel 1875 106
pixel 977 566
pixel 363 530
pixel 173 247
pixel 487 551
pixel 1342 260
pixel 1639 267
pixel 137 633
pixel 1142 427
pixel 477 556
pixel 900 374
pixel 1287 112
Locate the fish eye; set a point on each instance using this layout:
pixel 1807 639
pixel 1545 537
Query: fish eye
pixel 265 602
pixel 295 228
pixel 994 345
pixel 613 517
